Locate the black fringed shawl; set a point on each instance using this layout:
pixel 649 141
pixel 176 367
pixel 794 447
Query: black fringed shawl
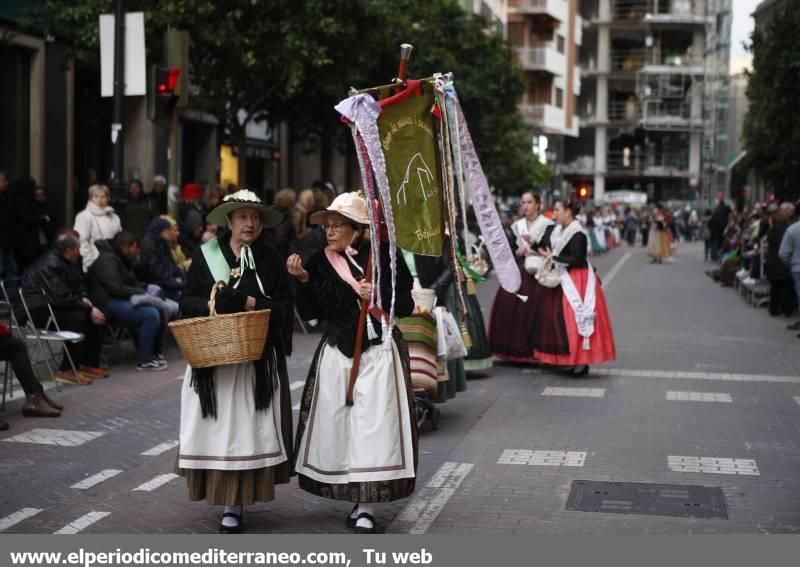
pixel 274 278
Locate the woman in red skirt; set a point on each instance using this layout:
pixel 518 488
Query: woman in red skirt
pixel 584 309
pixel 512 332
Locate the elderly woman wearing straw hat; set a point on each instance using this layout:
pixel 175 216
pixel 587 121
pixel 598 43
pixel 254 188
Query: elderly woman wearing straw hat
pixel 236 422
pixel 365 453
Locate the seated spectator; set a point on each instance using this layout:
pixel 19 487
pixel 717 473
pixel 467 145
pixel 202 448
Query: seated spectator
pixel 182 259
pixel 56 278
pixel 191 209
pixel 158 195
pixel 37 403
pixel 157 264
pixel 97 221
pixel 139 211
pixel 113 285
pixel 190 235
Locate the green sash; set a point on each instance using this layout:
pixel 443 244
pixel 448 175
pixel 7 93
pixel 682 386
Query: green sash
pixel 220 270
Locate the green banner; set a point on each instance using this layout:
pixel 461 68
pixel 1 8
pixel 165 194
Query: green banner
pixel 412 166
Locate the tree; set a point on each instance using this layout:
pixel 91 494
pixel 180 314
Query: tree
pixel 772 124
pixel 294 60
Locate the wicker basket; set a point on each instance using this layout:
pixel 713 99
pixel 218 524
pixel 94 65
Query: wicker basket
pixel 221 339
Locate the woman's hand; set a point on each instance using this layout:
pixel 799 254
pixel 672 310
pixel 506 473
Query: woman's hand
pixel 294 265
pixel 366 290
pixel 250 303
pixel 545 251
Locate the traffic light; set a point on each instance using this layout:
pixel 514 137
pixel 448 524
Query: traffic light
pixel 584 192
pixel 163 96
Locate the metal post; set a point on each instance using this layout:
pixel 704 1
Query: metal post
pixel 117 173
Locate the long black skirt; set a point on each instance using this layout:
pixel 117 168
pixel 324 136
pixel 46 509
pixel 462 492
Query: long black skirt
pixel 517 327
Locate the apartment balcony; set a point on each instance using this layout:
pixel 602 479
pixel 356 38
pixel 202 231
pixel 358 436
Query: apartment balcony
pixel 679 12
pixel 548 118
pixel 555 9
pixel 542 57
pixel 663 64
pixel 627 60
pixel 635 13
pixel 670 115
pixel 617 113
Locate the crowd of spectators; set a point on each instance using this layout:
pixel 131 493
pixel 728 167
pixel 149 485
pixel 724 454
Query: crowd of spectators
pixel 121 265
pixel 761 244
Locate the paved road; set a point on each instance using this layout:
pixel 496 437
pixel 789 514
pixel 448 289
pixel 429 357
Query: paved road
pixel 705 392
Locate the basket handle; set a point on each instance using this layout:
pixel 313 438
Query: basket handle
pixel 212 307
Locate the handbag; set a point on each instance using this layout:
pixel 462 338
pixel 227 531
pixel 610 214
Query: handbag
pixel 533 264
pixel 450 345
pixel 548 274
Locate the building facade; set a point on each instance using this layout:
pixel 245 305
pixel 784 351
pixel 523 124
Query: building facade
pixel 651 99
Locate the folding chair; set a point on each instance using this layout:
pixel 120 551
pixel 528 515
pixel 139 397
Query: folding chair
pixel 44 337
pixel 6 313
pixel 300 321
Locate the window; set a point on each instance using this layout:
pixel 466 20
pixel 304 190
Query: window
pixel 560 44
pixel 559 97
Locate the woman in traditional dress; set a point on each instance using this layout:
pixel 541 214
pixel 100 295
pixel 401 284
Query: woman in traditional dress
pixel 584 310
pixel 365 453
pixel 511 330
pixel 660 241
pixel 236 419
pixel 436 273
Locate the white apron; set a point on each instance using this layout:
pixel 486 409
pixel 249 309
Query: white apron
pixel 370 441
pixel 241 438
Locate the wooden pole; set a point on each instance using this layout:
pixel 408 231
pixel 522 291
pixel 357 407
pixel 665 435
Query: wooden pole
pixel 405 54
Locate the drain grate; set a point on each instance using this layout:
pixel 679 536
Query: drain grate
pixel 649 499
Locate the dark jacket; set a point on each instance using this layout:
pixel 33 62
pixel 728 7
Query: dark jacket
pixel 111 275
pixel 158 266
pixel 774 268
pixel 340 303
pixel 272 273
pixel 52 278
pixel 138 213
pixel 574 253
pixel 436 272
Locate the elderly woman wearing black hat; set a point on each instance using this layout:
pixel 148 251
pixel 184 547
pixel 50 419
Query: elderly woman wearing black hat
pixel 236 421
pixel 364 453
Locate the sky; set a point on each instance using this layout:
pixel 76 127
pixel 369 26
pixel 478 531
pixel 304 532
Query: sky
pixel 741 29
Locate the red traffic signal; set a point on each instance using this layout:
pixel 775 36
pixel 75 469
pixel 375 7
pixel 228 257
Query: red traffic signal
pixel 167 80
pixel 584 192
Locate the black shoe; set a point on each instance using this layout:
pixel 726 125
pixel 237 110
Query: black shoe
pixel 433 416
pixel 794 326
pixel 359 529
pixel 4 426
pixel 582 371
pixel 237 529
pixel 350 522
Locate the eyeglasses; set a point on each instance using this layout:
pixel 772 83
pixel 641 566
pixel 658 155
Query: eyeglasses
pixel 336 227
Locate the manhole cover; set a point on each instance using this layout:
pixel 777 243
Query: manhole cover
pixel 651 499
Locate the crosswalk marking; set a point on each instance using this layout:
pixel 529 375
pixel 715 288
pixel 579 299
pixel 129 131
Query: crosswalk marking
pixel 156 482
pixel 713 465
pixel 82 523
pixel 797 399
pixel 423 509
pixel 17 517
pixel 699 397
pixel 96 479
pixel 60 437
pixel 722 376
pixel 542 458
pixel 575 392
pixel 162 448
pixel 296 406
pixel 296 385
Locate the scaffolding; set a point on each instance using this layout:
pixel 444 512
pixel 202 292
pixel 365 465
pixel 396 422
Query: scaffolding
pixel 716 98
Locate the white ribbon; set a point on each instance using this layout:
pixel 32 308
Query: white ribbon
pixel 584 309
